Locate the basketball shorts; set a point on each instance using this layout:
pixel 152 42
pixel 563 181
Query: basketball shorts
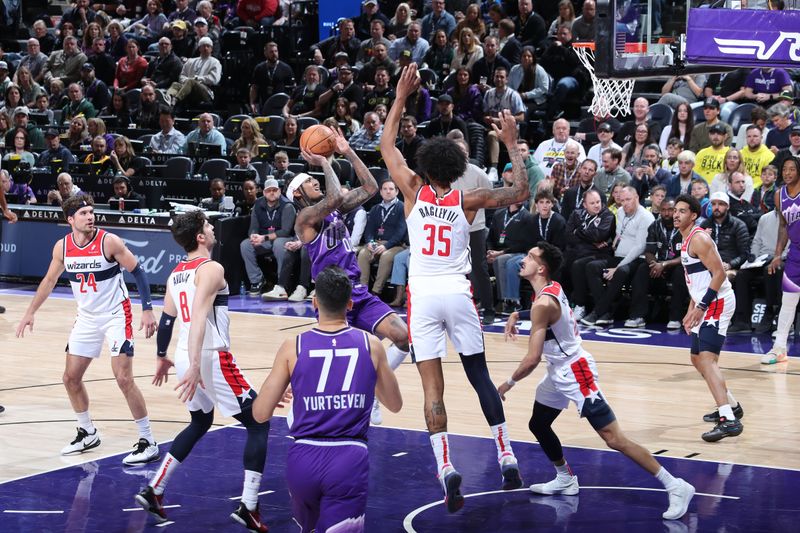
pixel 368 310
pixel 434 316
pixel 791 273
pixel 224 386
pixel 575 380
pixel 709 335
pixel 328 482
pixel 90 330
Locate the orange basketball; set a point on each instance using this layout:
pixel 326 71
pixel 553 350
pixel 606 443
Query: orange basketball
pixel 318 139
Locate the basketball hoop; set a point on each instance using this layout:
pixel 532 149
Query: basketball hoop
pixel 612 96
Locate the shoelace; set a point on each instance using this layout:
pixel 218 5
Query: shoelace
pixel 141 445
pixel 82 434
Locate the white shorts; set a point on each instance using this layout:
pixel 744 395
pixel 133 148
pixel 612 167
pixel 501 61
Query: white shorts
pixel 89 332
pixel 224 386
pixel 434 317
pixel 574 380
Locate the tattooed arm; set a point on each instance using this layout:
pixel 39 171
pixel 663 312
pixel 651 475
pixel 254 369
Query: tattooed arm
pixel 309 219
pixel 368 187
pixel 504 196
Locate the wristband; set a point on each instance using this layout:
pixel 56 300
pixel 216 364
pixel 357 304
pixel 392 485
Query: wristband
pixel 524 315
pixel 709 297
pixel 510 382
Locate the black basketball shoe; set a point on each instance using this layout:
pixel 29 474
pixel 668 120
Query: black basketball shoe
pixel 151 503
pixel 725 428
pixel 249 519
pixel 738 412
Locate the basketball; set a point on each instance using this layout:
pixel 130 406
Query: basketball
pixel 319 140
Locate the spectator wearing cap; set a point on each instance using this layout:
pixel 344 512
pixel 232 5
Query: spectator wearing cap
pixel 201 29
pixel 412 41
pixel 793 150
pixel 165 69
pixel 78 104
pixel 375 35
pixel 182 12
pixel 370 12
pixel 710 161
pixel 182 41
pixel 605 134
pixel 729 234
pixel 198 79
pixel 34 60
pixel 95 90
pixel 700 133
pixel 168 140
pixel 444 120
pixel 21 120
pixel 346 88
pixel 257 13
pixel 65 64
pixel 764 85
pixel 271 227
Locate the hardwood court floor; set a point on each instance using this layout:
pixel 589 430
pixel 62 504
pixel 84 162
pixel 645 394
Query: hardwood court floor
pixel 657 395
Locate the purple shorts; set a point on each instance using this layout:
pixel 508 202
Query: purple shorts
pixel 328 485
pixel 368 310
pixel 791 272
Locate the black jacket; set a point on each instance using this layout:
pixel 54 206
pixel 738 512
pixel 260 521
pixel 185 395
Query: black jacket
pixel 584 230
pixel 282 220
pixel 551 230
pixel 164 71
pixel 573 199
pixel 664 243
pixel 732 238
pixel 394 230
pixel 519 229
pixel 512 50
pixel 745 211
pixel 482 68
pixel 437 128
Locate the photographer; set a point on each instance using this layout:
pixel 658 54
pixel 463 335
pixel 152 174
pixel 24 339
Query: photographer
pixel 649 173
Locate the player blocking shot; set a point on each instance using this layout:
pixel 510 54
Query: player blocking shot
pixel 335 371
pixel 93 260
pixel 321 228
pixel 711 308
pixel 571 377
pixel 438 218
pixel 197 298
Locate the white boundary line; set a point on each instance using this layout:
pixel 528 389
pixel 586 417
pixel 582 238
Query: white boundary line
pixel 409 518
pixel 19 511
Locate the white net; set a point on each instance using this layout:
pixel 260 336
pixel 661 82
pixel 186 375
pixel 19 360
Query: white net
pixel 612 96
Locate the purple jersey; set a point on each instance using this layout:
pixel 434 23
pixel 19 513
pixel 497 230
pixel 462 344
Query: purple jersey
pixel 333 384
pixel 790 208
pixel 332 247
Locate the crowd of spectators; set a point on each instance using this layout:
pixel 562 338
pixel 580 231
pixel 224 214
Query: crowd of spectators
pixel 602 189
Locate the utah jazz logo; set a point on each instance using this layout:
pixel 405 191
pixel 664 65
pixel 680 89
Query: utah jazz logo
pixel 754 47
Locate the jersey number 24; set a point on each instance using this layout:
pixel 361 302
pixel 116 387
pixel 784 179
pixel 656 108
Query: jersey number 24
pixel 438 238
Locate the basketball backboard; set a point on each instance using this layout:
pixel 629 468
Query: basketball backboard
pixel 642 38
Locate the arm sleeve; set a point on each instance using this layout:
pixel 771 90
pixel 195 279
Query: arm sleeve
pixel 164 334
pixel 143 286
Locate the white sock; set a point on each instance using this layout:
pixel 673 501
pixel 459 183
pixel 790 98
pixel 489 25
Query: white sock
pixel 502 441
pixel 564 471
pixel 252 482
pixel 731 399
pixel 85 422
pixel 395 356
pixel 666 479
pixel 786 317
pixel 441 449
pixel 168 466
pixel 726 411
pixel 144 429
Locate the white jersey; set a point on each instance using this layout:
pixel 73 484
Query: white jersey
pixel 182 288
pixel 698 277
pixel 97 283
pixel 438 232
pixel 562 340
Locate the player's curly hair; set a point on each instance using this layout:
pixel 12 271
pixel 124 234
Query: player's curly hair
pixel 186 227
pixel 441 161
pixel 333 288
pixel 551 256
pixel 71 205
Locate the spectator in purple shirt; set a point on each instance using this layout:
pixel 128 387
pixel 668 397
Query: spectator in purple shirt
pixel 764 85
pixel 467 99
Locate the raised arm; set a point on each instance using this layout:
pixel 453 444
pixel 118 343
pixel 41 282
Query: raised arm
pixel 505 196
pixel 45 288
pixel 309 218
pixel 368 187
pixel 406 179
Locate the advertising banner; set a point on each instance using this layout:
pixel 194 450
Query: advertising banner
pixel 332 10
pixel 743 38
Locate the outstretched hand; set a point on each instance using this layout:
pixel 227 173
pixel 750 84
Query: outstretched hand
pixel 409 81
pixel 507 129
pixel 342 146
pixel 313 159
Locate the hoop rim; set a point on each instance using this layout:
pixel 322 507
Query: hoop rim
pixel 630 48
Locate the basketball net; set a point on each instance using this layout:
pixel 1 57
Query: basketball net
pixel 612 96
